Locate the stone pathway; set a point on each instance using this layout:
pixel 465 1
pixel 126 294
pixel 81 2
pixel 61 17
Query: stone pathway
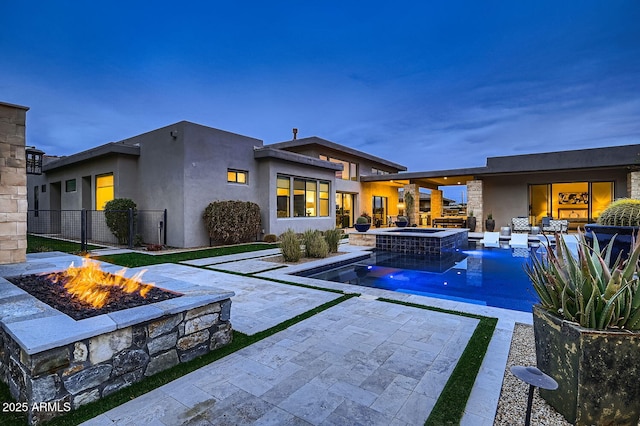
pixel 360 362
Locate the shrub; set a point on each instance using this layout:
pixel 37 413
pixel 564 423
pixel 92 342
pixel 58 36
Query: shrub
pixel 584 289
pixel 270 238
pixel 362 220
pixel 367 216
pixel 232 222
pixel 290 246
pixel 333 237
pixel 315 245
pixel 116 214
pixel 402 219
pixel 624 212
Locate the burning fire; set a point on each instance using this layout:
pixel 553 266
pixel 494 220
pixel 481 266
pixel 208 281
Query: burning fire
pixel 92 285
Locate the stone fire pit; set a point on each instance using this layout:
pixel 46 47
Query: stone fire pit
pixel 54 363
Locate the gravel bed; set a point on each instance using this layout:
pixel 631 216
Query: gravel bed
pixel 512 406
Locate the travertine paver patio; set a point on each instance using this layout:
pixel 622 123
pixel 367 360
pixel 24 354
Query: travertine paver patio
pixel 360 362
pixel 258 304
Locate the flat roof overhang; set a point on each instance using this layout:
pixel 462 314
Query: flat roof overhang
pixel 430 179
pixel 112 148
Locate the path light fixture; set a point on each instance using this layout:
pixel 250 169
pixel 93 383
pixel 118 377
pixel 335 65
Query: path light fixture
pixel 535 378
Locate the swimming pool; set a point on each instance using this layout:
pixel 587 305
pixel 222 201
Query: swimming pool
pixel 484 276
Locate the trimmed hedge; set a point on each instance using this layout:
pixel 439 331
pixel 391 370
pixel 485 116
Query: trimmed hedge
pixel 232 222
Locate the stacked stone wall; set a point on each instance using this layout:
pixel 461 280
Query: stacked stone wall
pixel 13 184
pixel 475 203
pixel 58 380
pixel 633 184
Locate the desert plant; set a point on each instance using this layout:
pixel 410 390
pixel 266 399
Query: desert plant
pixel 290 246
pixel 623 212
pixel 408 200
pixel 332 237
pixel 490 216
pixel 314 244
pixel 232 222
pixel 585 289
pixel 270 238
pixel 402 219
pixel 362 220
pixel 116 215
pixel 366 216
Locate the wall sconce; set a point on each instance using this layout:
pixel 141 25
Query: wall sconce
pixel 34 160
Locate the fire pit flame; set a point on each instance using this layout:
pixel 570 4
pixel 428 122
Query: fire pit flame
pixel 91 284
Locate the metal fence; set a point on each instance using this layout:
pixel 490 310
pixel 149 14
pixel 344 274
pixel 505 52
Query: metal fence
pixel 90 226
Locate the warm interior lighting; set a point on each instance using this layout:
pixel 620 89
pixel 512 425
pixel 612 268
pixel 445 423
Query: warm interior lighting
pixel 92 285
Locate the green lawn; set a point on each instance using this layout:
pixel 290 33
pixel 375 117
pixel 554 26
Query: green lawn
pixel 37 244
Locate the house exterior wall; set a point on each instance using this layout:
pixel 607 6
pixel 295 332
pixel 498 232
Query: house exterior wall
pixel 269 170
pixel 509 198
pixel 371 189
pixel 208 155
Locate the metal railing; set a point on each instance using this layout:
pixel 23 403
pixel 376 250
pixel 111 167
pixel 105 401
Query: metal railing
pixel 90 226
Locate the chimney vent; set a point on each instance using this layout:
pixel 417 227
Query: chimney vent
pixel 295 133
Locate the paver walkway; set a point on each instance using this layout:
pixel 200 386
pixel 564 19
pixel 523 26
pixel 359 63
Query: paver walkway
pixel 360 362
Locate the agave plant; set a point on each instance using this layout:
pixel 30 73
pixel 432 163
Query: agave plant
pixel 584 289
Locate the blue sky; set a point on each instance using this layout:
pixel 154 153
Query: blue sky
pixel 430 85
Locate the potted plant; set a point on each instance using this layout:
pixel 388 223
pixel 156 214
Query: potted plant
pixel 471 221
pixel 489 224
pixel 587 332
pixel 362 224
pixel 402 221
pixel 621 219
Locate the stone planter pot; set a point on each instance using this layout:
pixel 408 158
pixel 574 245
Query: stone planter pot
pixel 596 370
pixel 489 225
pixel 605 233
pixel 362 227
pixel 471 223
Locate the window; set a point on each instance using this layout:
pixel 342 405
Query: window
pixel 349 170
pixel 43 189
pixel 310 197
pixel 237 176
pixel 70 185
pixel 36 201
pixel 323 194
pixel 375 171
pixel 104 190
pixel 283 193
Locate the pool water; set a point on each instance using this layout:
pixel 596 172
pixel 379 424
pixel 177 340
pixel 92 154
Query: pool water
pixel 484 276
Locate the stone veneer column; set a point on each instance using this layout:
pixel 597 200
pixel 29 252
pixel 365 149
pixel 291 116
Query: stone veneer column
pixel 474 202
pixel 633 184
pixel 436 204
pixel 13 184
pixel 414 214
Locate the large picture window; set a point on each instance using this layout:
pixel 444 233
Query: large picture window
pixel 349 170
pixel 310 197
pixel 104 190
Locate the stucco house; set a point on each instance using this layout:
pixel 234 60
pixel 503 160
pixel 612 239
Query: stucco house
pixel 301 184
pixel 313 183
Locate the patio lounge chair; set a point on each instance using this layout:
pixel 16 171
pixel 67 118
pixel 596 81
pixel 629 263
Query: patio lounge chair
pixel 491 239
pixel 520 224
pixel 554 225
pixel 519 240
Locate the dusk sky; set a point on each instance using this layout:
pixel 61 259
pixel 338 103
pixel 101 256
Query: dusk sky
pixel 430 85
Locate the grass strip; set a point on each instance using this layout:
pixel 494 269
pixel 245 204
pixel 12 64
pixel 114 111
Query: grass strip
pixel 452 402
pixel 240 340
pixel 37 244
pixel 134 260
